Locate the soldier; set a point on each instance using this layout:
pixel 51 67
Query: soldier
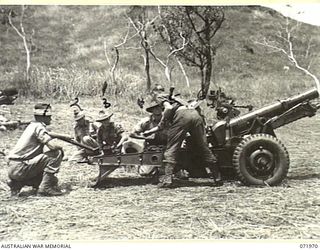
pixel 29 164
pixel 159 138
pixel 8 96
pixel 110 135
pixel 181 119
pixel 85 133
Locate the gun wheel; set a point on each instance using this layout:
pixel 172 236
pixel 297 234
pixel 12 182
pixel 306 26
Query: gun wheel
pixel 261 159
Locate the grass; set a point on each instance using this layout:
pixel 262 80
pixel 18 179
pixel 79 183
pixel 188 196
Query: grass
pixel 71 62
pixel 70 57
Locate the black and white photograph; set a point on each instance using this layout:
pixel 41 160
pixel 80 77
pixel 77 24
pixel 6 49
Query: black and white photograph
pixel 159 124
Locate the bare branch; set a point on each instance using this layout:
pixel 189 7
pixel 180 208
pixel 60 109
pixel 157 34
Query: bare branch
pixel 115 65
pixel 173 51
pixel 183 71
pixel 193 26
pixel 105 52
pixel 308 48
pixel 275 48
pixel 125 37
pixel 13 26
pixel 22 34
pixel 289 53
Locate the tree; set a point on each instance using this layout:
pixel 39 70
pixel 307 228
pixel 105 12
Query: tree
pixel 9 18
pixel 138 16
pixel 113 63
pixel 282 41
pixel 198 25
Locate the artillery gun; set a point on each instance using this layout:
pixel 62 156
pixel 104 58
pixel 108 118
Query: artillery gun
pixel 248 143
pixel 245 144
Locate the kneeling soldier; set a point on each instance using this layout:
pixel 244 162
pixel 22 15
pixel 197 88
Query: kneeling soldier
pixel 110 135
pixel 85 134
pixel 29 163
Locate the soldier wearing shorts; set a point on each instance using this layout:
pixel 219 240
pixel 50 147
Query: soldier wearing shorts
pixel 35 159
pixel 85 133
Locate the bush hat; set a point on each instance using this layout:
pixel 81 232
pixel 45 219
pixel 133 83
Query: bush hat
pixel 152 107
pixel 43 109
pixel 78 115
pixel 103 116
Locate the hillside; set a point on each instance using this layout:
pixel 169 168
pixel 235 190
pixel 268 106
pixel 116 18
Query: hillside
pixel 69 52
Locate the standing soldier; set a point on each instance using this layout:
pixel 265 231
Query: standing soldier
pixel 29 164
pixel 180 119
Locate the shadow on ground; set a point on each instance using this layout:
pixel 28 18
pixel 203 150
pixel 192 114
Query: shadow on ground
pixel 126 181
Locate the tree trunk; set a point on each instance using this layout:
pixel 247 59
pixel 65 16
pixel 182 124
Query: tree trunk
pixel 28 59
pixel 145 45
pixel 207 61
pixel 147 69
pixel 207 75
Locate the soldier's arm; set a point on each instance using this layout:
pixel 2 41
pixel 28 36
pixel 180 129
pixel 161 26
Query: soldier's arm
pixel 124 137
pixel 53 145
pixel 140 128
pixel 93 129
pixel 168 109
pixel 44 137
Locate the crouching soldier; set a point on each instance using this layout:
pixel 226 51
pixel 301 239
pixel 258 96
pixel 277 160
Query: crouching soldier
pixel 157 139
pixel 110 136
pixel 85 133
pixel 29 164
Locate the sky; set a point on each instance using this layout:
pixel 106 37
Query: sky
pixel 307 13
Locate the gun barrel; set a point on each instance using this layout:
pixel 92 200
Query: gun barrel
pixel 276 108
pixel 68 139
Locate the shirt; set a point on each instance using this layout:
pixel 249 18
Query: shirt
pixel 148 123
pixel 31 142
pixel 81 130
pixel 145 124
pixel 108 135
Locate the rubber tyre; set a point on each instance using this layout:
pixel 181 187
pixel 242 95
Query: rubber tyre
pixel 261 146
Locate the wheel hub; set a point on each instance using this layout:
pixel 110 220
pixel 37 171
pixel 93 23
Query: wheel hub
pixel 261 161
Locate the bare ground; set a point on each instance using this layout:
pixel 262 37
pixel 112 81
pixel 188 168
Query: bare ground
pixel 135 209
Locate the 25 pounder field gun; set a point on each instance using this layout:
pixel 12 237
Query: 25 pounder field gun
pixel 244 144
pixel 248 144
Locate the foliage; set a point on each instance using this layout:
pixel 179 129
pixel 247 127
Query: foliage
pixel 198 25
pixel 75 49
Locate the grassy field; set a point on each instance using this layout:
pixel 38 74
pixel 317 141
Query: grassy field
pixel 133 208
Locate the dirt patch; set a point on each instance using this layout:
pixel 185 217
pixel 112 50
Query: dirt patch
pixel 133 208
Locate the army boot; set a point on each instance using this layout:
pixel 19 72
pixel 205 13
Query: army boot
pixel 182 174
pixel 15 186
pixel 215 175
pixel 47 186
pixel 165 181
pixel 34 183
